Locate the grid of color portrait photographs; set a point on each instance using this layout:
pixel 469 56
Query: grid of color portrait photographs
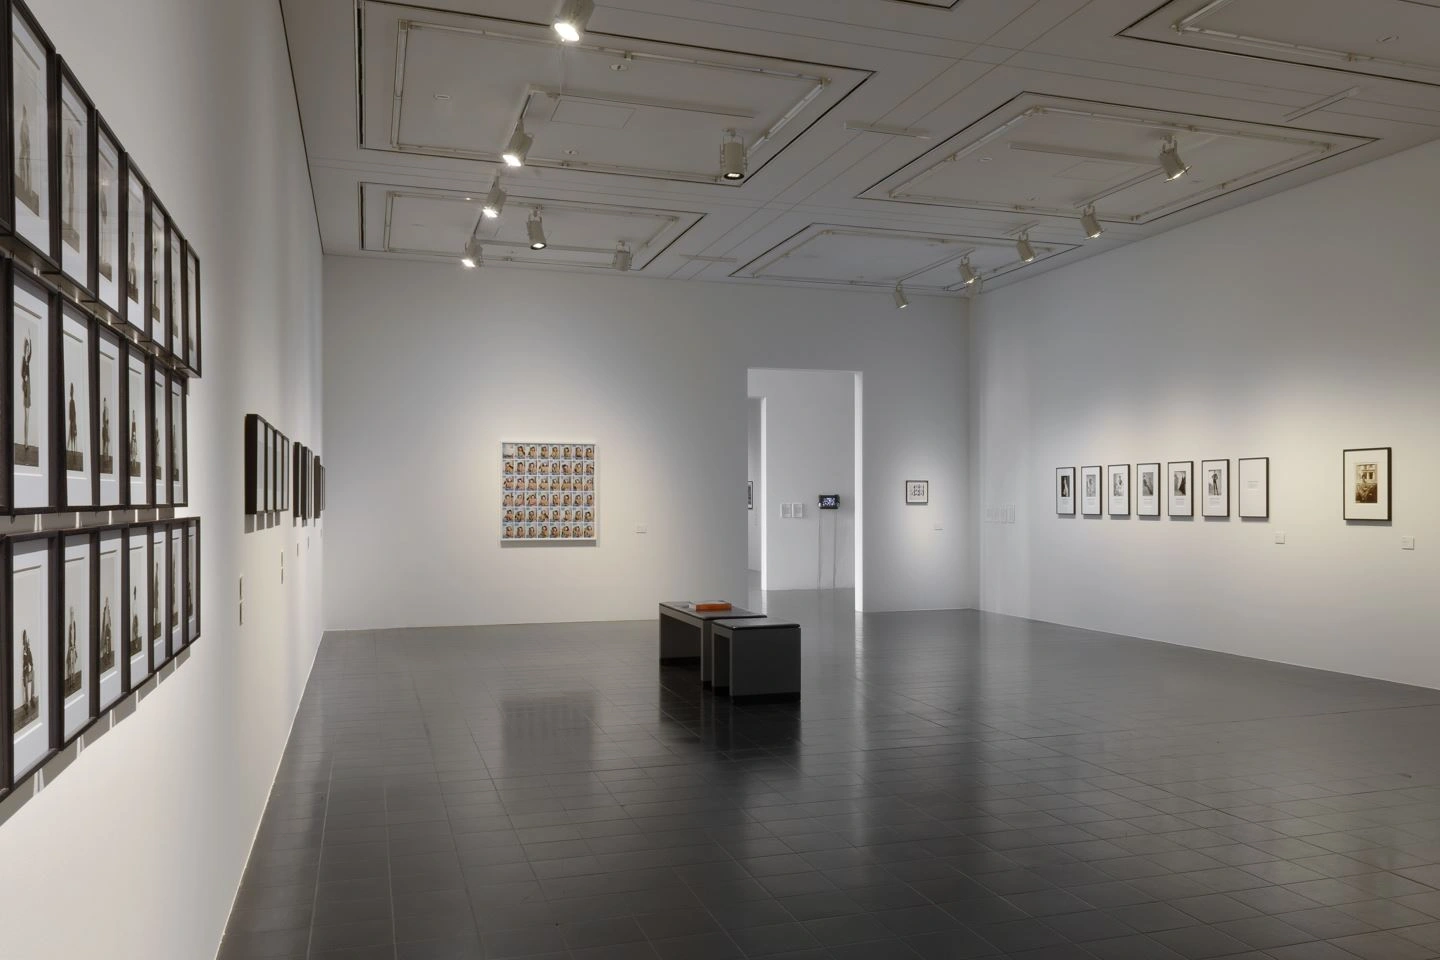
pixel 547 492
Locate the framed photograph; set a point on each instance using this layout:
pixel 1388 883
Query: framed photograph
pixel 138 603
pixel 175 586
pixel 109 663
pixel 108 214
pixel 158 298
pixel 1254 483
pixel 160 651
pixel 137 438
pixel 917 493
pixel 192 579
pixel 547 492
pixel 159 435
pixel 109 456
pixel 254 468
pixel 1215 488
pixel 34 192
pixel 749 494
pixel 77 640
pixel 1117 489
pixel 76 133
pixel 32 372
pixel 192 310
pixel 1065 491
pixel 1090 496
pixel 277 470
pixel 175 271
pixel 297 476
pixel 267 459
pixel 33 653
pixel 179 475
pixel 76 420
pixel 1181 488
pixel 319 489
pixel 137 263
pixel 1147 490
pixel 1366 479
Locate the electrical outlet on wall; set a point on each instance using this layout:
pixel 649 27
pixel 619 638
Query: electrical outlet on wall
pixel 798 511
pixel 786 512
pixel 1407 543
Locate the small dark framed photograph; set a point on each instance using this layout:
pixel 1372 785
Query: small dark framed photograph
pixel 160 435
pixel 175 585
pixel 1181 488
pixel 1091 500
pixel 749 494
pixel 137 603
pixel 192 579
pixel 297 477
pixel 77 633
pixel 34 371
pixel 32 654
pixel 1253 483
pixel 175 272
pixel 1117 489
pixel 158 294
pixel 110 660
pixel 138 451
pixel 77 151
pixel 193 329
pixel 136 303
pixel 1148 489
pixel 77 419
pixel 179 474
pixel 160 650
pixel 1065 491
pixel 254 464
pixel 268 496
pixel 1215 488
pixel 277 471
pixel 109 452
pixel 320 489
pixel 30 111
pixel 1366 477
pixel 917 493
pixel 109 211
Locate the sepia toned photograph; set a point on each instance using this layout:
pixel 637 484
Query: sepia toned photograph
pixel 138 603
pixel 177 442
pixel 137 432
pixel 107 216
pixel 30 133
pixel 159 435
pixel 31 320
pixel 546 476
pixel 176 589
pixel 31 640
pixel 75 599
pixel 159 598
pixel 192 310
pixel 192 580
pixel 74 134
pixel 175 270
pixel 137 279
pixel 111 626
pixel 1366 474
pixel 108 455
pixel 159 313
pixel 75 334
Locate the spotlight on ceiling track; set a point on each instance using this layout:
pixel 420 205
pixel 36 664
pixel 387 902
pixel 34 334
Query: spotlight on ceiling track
pixel 1091 223
pixel 901 301
pixel 732 157
pixel 573 19
pixel 494 202
pixel 623 258
pixel 1023 248
pixel 1170 161
pixel 519 147
pixel 536 229
pixel 474 255
pixel 967 273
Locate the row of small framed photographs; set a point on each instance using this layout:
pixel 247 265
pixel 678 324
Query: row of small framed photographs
pixel 77 206
pixel 280 474
pixel 89 616
pixel 549 531
pixel 1102 490
pixel 96 422
pixel 309 483
pixel 548 451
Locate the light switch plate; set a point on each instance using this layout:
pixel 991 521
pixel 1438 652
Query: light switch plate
pixel 1407 543
pixel 798 511
pixel 642 528
pixel 1279 538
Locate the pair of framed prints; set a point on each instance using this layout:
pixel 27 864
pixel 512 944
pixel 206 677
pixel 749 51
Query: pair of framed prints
pixel 547 493
pixel 267 467
pixel 309 483
pixel 96 422
pixel 88 617
pixel 76 207
pixel 1102 490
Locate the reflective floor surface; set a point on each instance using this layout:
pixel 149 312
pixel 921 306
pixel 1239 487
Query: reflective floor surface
pixel 953 785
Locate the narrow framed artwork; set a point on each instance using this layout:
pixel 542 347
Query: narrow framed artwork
pixel 137 432
pixel 32 372
pixel 1065 491
pixel 110 662
pixel 108 214
pixel 76 133
pixel 1215 489
pixel 1117 487
pixel 159 302
pixel 1366 478
pixel 175 271
pixel 159 434
pixel 917 493
pixel 137 263
pixel 30 101
pixel 32 654
pixel 1180 486
pixel 137 604
pixel 109 450
pixel 160 649
pixel 1254 486
pixel 76 416
pixel 1090 498
pixel 77 637
pixel 192 311
pixel 175 587
pixel 749 495
pixel 192 579
pixel 254 485
pixel 1148 485
pixel 179 475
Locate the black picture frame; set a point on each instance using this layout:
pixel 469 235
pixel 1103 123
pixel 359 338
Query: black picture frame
pixel 36 232
pixel 1159 491
pixel 137 649
pixel 75 188
pixel 194 327
pixel 917 493
pixel 135 270
pixel 1062 492
pixel 195 582
pixel 175 571
pixel 179 445
pixel 28 494
pixel 139 453
pixel 159 640
pixel 88 690
pixel 157 254
pixel 175 245
pixel 105 418
pixel 1240 478
pixel 1170 493
pixel 320 492
pixel 108 291
pixel 1099 474
pixel 110 617
pixel 1385 486
pixel 297 479
pixel 160 452
pixel 50 708
pixel 1110 472
pixel 78 495
pixel 1229 495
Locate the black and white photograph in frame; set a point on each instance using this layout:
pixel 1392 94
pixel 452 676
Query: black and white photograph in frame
pixel 32 649
pixel 1149 483
pixel 76 571
pixel 1117 489
pixel 74 146
pixel 30 385
pixel 1065 491
pixel 192 580
pixel 30 132
pixel 111 627
pixel 137 606
pixel 1254 486
pixel 109 456
pixel 1215 488
pixel 1091 498
pixel 176 588
pixel 159 597
pixel 107 216
pixel 137 429
pixel 917 493
pixel 137 276
pixel 1366 479
pixel 548 492
pixel 156 295
pixel 176 272
pixel 267 467
pixel 1180 488
pixel 75 423
pixel 192 310
pixel 179 481
pixel 159 430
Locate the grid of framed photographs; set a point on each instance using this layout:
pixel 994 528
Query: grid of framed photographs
pixel 547 493
pixel 1171 487
pixel 267 467
pixel 88 617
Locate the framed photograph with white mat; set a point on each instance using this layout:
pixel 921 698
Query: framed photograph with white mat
pixel 1366 478
pixel 1254 485
pixel 1091 499
pixel 1117 487
pixel 1215 488
pixel 1065 491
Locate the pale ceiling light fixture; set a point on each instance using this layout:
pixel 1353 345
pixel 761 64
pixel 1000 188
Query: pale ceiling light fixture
pixel 623 257
pixel 474 254
pixel 1091 223
pixel 732 157
pixel 967 272
pixel 1023 248
pixel 901 301
pixel 518 149
pixel 1170 161
pixel 574 18
pixel 495 202
pixel 536 229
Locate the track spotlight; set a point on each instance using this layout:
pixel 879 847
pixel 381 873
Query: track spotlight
pixel 623 258
pixel 732 157
pixel 1023 248
pixel 574 17
pixel 901 301
pixel 519 147
pixel 1170 161
pixel 494 203
pixel 536 229
pixel 1091 223
pixel 474 254
pixel 967 272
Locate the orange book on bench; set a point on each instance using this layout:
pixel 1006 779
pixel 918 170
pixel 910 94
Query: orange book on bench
pixel 712 606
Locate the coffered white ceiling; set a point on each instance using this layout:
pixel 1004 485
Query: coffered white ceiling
pixel 888 139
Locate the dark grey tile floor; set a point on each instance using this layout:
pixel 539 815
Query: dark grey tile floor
pixel 953 785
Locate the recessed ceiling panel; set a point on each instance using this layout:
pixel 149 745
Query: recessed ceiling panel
pixel 1054 157
pixel 1387 38
pixel 452 85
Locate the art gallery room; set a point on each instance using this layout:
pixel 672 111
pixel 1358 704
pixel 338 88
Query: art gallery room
pixel 703 479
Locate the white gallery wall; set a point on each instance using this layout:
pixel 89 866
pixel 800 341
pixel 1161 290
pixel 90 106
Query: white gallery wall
pixel 1293 328
pixel 429 368
pixel 137 848
pixel 809 449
